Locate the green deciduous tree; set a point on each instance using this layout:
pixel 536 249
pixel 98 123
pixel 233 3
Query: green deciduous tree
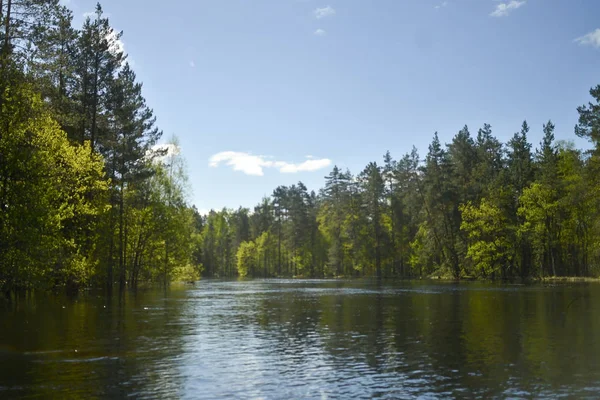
pixel 44 186
pixel 489 237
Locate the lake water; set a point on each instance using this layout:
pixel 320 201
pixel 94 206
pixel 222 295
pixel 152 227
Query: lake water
pixel 293 339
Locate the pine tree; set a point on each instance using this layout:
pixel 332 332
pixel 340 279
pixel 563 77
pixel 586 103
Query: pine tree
pixel 100 58
pixel 589 119
pixel 132 134
pixel 486 173
pixel 373 188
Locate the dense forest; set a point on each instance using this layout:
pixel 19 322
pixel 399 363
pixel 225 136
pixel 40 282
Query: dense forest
pixel 473 208
pixel 86 195
pixel 89 198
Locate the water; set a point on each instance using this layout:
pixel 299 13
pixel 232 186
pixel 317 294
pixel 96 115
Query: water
pixel 306 339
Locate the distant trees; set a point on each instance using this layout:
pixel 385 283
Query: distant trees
pixel 471 208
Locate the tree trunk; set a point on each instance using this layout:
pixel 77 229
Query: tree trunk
pixel 166 262
pixel 279 249
pixel 552 262
pixel 94 104
pixel 393 215
pixel 84 102
pixel 265 264
pixel 6 49
pixel 121 239
pixel 111 249
pixel 1 10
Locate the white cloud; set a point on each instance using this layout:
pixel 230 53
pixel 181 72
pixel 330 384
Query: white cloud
pixel 250 164
pixel 91 14
pixel 169 150
pixel 320 32
pixel 245 162
pixel 192 64
pixel 503 9
pixel 591 39
pixel 306 166
pixel 324 12
pixel 444 4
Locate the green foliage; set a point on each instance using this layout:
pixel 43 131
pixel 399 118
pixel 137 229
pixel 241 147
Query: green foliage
pixel 186 273
pixel 247 261
pixel 589 119
pixel 50 192
pixel 489 235
pixel 539 208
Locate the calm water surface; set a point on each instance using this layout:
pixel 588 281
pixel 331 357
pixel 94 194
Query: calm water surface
pixel 306 339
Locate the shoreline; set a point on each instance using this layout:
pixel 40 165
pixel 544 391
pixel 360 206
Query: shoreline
pixel 556 279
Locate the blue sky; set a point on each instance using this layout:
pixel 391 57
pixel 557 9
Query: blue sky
pixel 284 89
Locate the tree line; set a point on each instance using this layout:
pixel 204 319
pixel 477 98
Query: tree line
pixel 472 208
pixel 86 196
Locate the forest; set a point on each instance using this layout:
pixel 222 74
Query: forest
pixel 473 208
pixel 88 197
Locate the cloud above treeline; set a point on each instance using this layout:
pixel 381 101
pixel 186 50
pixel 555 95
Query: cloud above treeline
pixel 251 164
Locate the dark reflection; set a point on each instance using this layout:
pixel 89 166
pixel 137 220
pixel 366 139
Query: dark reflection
pixel 89 346
pixel 306 339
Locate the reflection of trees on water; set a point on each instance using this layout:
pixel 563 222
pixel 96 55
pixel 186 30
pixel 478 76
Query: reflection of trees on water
pixel 491 339
pixel 91 345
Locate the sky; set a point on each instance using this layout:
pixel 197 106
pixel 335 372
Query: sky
pixel 262 93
